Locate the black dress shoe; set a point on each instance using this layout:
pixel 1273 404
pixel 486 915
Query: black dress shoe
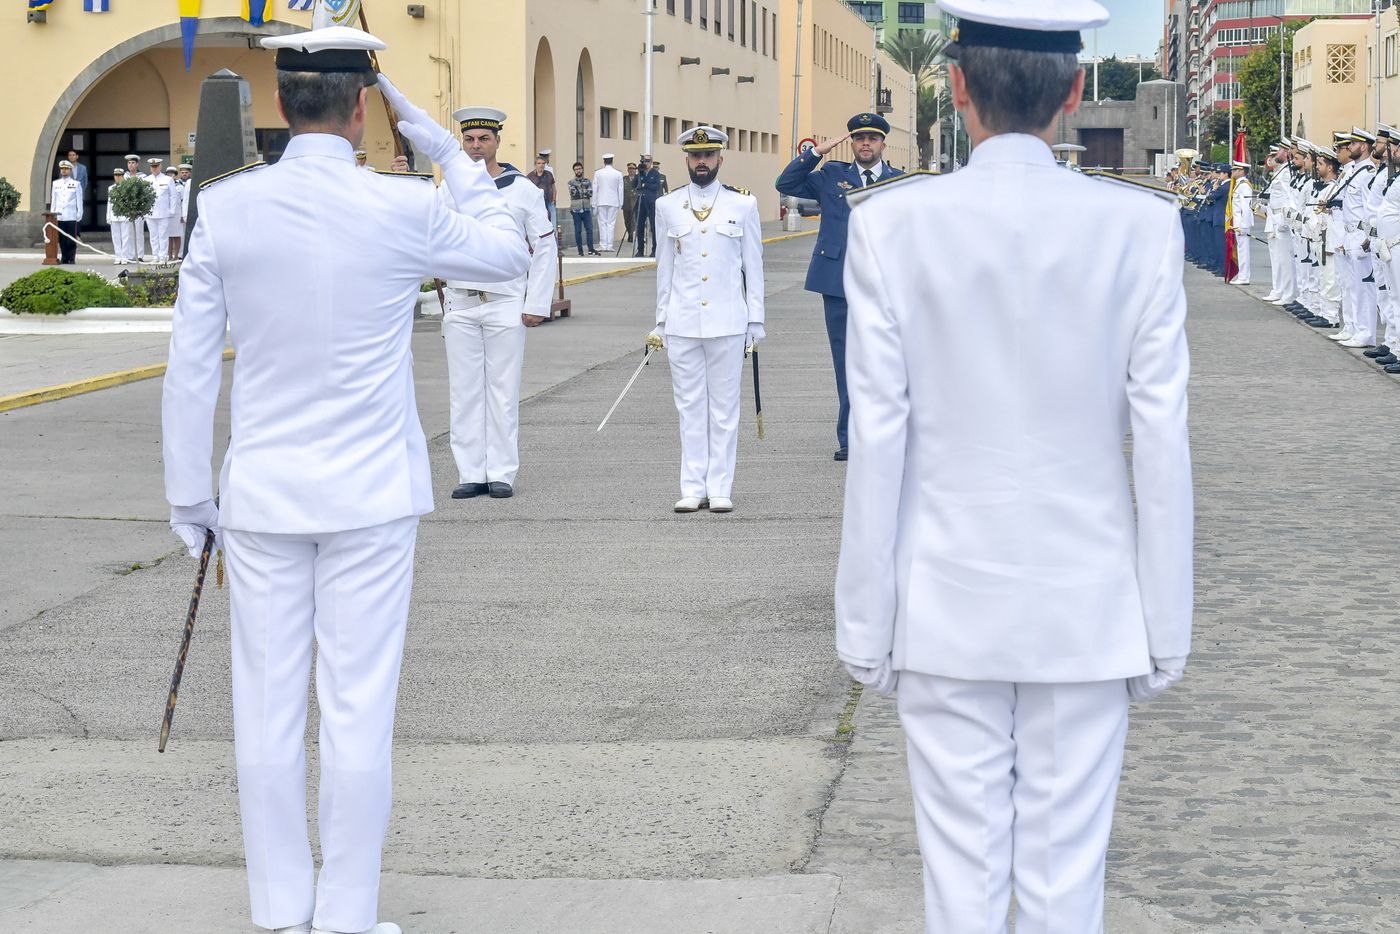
pixel 594 253
pixel 468 490
pixel 500 489
pixel 840 454
pixel 1393 368
pixel 1375 352
pixel 1387 360
pixel 1319 322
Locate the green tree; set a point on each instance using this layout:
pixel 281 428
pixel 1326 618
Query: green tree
pixel 1259 78
pixel 1118 81
pixel 919 52
pixel 9 198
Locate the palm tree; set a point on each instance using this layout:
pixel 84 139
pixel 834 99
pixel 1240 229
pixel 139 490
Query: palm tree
pixel 920 52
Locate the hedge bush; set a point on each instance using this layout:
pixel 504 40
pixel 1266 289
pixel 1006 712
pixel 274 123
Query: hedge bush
pixel 59 291
pixel 132 197
pixel 9 198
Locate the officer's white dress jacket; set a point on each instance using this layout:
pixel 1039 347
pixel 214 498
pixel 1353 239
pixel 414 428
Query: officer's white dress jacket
pixel 315 269
pixel 166 203
pixel 66 198
pixel 1354 205
pixel 1280 198
pixel 535 289
pixel 989 527
pixel 1241 206
pixel 607 188
pixel 709 274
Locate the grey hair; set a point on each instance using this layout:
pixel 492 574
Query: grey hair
pixel 320 99
pixel 1017 91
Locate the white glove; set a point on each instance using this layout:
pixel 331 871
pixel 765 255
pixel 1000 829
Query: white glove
pixel 426 134
pixel 1165 673
pixel 756 333
pixel 882 679
pixel 192 523
pixel 657 338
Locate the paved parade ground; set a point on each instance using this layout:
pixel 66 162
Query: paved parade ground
pixel 615 719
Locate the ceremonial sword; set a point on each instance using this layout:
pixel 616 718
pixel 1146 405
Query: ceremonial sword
pixel 757 396
pixel 646 358
pixel 185 641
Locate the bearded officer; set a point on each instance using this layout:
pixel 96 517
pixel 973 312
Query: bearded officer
pixel 990 556
pixel 326 473
pixel 830 184
pixel 484 326
pixel 709 307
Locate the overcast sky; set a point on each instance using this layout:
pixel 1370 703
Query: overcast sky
pixel 1136 28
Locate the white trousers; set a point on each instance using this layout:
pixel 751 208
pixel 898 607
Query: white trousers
pixel 1242 243
pixel 138 237
pixel 1013 782
pixel 1329 289
pixel 1364 297
pixel 607 226
pixel 1364 329
pixel 122 247
pixel 1390 302
pixel 1346 285
pixel 485 353
pixel 1281 265
pixel 705 376
pixel 160 240
pixel 349 590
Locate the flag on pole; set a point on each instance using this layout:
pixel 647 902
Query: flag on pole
pixel 300 4
pixel 1232 259
pixel 336 13
pixel 189 25
pixel 254 11
pixel 96 6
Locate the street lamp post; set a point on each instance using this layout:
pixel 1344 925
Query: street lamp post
pixel 646 94
pixel 792 218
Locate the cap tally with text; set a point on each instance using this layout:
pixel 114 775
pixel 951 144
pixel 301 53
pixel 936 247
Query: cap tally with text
pixel 703 139
pixel 868 123
pixel 1043 26
pixel 479 118
pixel 329 50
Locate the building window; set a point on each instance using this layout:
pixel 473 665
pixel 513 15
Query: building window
pixel 731 20
pixel 911 13
pixel 607 116
pixel 629 124
pixel 743 23
pixel 1341 64
pixel 689 11
pixel 704 13
pixel 671 7
pixel 719 16
pixel 668 129
pixel 775 37
pixel 871 12
pixel 580 113
pixel 1389 55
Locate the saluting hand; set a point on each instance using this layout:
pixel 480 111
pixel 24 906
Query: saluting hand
pixel 827 146
pixel 425 133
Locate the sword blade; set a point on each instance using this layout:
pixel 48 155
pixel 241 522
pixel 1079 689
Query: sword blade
pixel 646 358
pixel 185 640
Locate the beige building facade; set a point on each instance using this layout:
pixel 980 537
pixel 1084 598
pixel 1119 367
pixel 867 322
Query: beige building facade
pixel 570 74
pixel 834 80
pixel 1330 86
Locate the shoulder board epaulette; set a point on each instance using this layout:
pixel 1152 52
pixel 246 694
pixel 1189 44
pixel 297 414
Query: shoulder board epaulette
pixel 737 191
pixel 858 195
pixel 1133 183
pixel 218 178
pixel 427 175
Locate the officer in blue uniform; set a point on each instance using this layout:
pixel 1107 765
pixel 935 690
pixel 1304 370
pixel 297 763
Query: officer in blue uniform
pixel 829 185
pixel 1218 201
pixel 648 187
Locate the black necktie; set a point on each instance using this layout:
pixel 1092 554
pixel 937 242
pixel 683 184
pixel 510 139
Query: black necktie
pixel 869 178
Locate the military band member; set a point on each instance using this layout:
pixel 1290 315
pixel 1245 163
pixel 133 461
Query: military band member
pixel 66 201
pixel 484 326
pixel 119 226
pixel 829 184
pixel 1242 219
pixel 326 474
pixel 709 307
pixel 992 560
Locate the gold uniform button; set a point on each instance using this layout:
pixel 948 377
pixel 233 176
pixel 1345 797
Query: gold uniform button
pixel 703 253
pixel 704 278
pixel 704 301
pixel 704 230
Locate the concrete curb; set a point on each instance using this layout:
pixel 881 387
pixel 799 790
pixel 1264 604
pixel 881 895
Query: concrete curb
pixel 89 321
pixel 78 387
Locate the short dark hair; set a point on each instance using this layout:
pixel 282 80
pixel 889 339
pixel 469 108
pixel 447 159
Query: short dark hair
pixel 578 165
pixel 312 98
pixel 1014 90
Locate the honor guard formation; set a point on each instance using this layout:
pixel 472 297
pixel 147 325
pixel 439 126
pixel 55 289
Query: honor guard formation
pixel 995 566
pixel 1331 220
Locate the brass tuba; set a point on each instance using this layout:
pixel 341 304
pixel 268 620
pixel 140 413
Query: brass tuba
pixel 1187 156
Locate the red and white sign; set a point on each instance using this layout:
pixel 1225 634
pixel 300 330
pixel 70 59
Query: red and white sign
pixel 805 145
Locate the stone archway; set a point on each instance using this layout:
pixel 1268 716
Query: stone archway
pixel 544 103
pixel 585 111
pixel 46 146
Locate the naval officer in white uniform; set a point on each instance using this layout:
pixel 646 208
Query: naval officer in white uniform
pixel 162 211
pixel 314 266
pixel 709 308
pixel 484 326
pixel 607 202
pixel 1242 219
pixel 991 561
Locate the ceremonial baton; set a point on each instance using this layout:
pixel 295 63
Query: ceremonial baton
pixel 757 396
pixel 646 358
pixel 185 641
